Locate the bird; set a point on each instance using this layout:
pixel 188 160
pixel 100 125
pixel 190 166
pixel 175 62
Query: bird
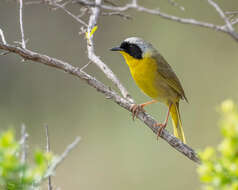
pixel 156 78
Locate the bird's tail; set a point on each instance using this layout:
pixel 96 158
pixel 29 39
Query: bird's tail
pixel 177 124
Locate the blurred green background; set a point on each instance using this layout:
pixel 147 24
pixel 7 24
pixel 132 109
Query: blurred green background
pixel 115 152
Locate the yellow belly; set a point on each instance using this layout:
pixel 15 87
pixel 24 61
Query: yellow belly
pixel 145 73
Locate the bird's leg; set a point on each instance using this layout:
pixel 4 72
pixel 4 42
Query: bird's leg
pixel 163 125
pixel 136 108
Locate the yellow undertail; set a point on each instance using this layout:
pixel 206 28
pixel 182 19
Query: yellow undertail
pixel 177 124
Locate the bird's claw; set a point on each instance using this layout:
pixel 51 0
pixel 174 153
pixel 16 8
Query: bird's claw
pixel 161 127
pixel 135 109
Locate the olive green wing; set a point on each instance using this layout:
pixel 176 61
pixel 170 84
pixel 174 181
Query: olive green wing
pixel 166 71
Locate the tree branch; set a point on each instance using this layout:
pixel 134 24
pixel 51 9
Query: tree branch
pixel 229 27
pixel 110 94
pixel 134 5
pixel 95 59
pixel 222 14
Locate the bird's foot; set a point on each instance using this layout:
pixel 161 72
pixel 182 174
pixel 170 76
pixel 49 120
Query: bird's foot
pixel 135 109
pixel 161 127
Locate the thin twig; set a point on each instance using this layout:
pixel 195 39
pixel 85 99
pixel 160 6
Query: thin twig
pixel 34 2
pixel 47 147
pixel 235 21
pixel 2 37
pixel 231 12
pixel 61 158
pixel 124 16
pixel 85 66
pixel 23 144
pixel 4 53
pixel 108 92
pixel 222 14
pixel 69 13
pixel 50 187
pixel 62 7
pixel 23 43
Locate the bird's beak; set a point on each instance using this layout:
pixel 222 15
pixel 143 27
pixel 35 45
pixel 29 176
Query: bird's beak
pixel 116 49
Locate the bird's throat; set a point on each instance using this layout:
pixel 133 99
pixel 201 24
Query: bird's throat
pixel 130 61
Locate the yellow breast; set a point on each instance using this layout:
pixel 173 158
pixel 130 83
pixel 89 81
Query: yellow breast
pixel 144 72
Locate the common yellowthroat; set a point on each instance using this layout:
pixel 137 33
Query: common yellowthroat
pixel 155 78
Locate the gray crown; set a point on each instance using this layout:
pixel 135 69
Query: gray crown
pixel 144 46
